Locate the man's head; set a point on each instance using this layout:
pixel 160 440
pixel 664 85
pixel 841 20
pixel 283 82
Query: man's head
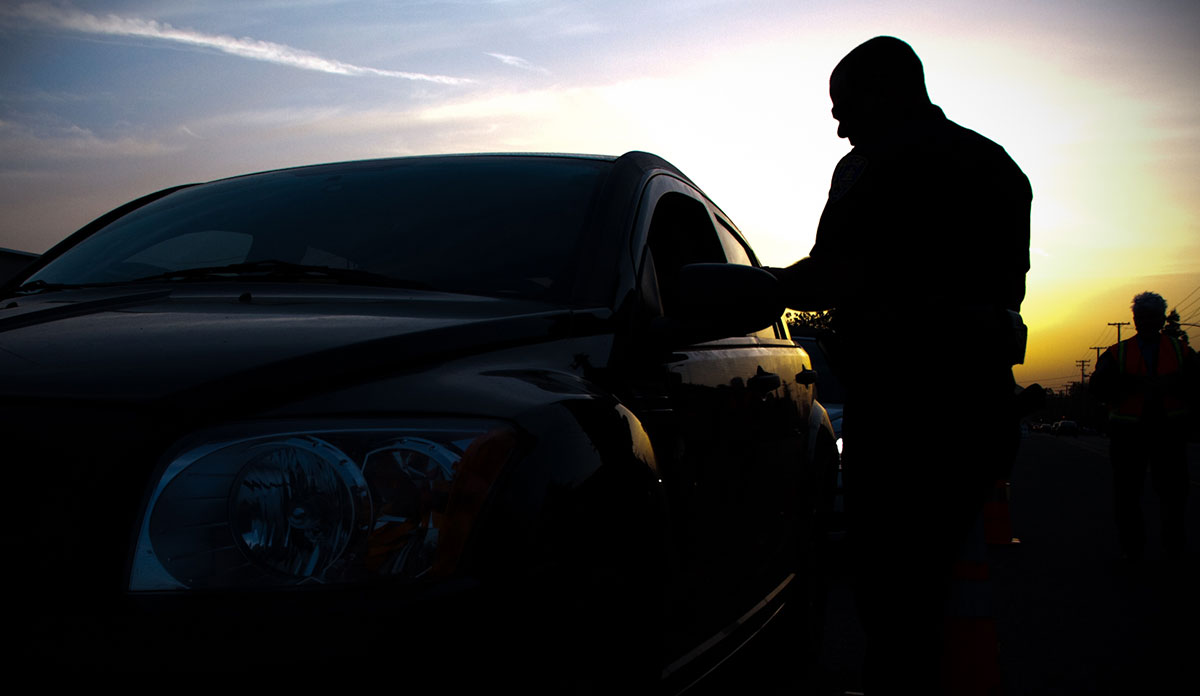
pixel 1149 312
pixel 876 85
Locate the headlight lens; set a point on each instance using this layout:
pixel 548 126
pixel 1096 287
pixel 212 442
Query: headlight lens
pixel 317 506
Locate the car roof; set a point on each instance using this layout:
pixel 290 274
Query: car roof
pixel 635 164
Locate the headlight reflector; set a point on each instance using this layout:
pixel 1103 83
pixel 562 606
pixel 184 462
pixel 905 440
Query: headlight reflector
pixel 296 504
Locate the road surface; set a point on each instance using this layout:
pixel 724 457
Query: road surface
pixel 1071 617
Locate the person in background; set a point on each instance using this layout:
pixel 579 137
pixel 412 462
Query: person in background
pixel 1149 384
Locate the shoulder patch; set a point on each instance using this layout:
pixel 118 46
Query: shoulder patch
pixel 848 170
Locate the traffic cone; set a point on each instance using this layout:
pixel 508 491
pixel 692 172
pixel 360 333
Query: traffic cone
pixel 997 522
pixel 970 658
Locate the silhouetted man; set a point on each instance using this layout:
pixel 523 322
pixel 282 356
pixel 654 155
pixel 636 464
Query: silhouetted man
pixel 922 249
pixel 1147 382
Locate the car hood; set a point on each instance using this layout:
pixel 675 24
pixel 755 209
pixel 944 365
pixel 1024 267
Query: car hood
pixel 197 344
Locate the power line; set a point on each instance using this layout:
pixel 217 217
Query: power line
pixel 1058 381
pixel 1051 380
pixel 1185 299
pixel 1103 332
pixel 1192 311
pixel 1183 307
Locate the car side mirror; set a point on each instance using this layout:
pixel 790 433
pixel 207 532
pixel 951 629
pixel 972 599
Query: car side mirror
pixel 719 300
pixel 12 264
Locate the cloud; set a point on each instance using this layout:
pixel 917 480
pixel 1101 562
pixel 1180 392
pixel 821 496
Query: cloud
pixel 254 49
pixel 26 146
pixel 516 62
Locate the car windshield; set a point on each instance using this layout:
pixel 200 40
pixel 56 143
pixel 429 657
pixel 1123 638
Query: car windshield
pixel 501 226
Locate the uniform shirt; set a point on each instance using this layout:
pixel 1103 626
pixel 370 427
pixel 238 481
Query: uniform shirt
pixel 925 234
pixel 1148 345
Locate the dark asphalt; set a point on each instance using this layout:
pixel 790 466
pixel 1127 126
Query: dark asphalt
pixel 1071 617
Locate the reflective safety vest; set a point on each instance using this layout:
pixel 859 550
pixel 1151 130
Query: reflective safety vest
pixel 1164 384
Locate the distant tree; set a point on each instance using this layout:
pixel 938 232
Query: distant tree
pixel 1173 327
pixel 810 323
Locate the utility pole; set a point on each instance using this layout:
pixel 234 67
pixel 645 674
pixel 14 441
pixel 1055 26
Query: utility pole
pixel 1100 348
pixel 1118 324
pixel 1082 367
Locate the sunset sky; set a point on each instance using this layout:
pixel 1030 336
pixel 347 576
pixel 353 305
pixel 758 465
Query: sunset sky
pixel 1098 101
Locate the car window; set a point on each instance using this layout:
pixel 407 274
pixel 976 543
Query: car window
pixel 734 250
pixel 738 253
pixel 681 233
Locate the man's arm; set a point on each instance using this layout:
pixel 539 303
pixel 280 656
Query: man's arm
pixel 805 285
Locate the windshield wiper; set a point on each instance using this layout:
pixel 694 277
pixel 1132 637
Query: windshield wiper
pixel 268 269
pixel 35 286
pixel 273 269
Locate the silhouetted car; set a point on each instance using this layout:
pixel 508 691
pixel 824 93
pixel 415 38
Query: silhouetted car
pixel 1065 427
pixel 446 420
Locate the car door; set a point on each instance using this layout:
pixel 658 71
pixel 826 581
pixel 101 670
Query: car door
pixel 728 423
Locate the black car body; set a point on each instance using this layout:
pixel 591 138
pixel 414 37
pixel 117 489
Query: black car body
pixel 832 395
pixel 829 389
pixel 538 413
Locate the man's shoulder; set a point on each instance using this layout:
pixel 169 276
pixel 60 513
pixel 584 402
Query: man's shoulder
pixel 848 171
pixel 978 148
pixel 963 137
pixel 1180 344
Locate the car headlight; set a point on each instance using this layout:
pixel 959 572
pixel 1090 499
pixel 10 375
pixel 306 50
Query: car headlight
pixel 317 505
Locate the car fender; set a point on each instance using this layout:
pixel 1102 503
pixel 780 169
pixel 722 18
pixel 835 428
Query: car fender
pixel 587 468
pixel 818 424
pixel 578 527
